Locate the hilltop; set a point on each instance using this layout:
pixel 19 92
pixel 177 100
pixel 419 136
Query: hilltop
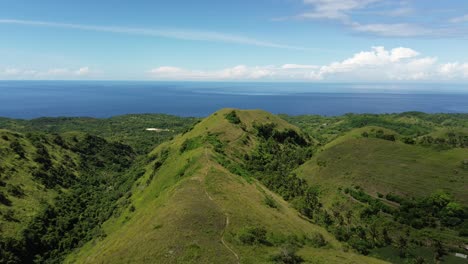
pixel 191 206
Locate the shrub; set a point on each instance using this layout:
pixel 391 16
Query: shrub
pixel 189 144
pixel 360 245
pixel 15 190
pixel 394 198
pixel 18 149
pixel 270 201
pixel 287 255
pixel 4 200
pixel 317 240
pixel 233 118
pixel 463 232
pixel 252 235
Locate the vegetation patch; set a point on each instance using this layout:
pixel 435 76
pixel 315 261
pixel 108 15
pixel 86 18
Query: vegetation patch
pixel 252 236
pixel 190 144
pixel 233 118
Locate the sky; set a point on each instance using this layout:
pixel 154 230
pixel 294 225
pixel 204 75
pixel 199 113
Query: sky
pixel 242 40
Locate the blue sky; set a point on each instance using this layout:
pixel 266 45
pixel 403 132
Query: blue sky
pixel 261 40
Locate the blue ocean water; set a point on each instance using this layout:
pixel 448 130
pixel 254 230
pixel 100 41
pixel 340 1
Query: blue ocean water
pixel 30 99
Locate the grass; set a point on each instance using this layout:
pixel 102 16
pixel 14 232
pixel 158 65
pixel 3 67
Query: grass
pixel 194 201
pixel 183 219
pixel 381 166
pixel 17 172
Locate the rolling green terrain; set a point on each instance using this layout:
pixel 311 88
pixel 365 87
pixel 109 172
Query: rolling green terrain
pixel 236 187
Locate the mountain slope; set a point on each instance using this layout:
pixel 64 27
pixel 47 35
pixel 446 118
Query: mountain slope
pixel 195 204
pixel 369 179
pixel 50 187
pixel 26 180
pixel 385 166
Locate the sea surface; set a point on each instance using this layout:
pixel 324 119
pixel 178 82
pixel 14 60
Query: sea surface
pixel 31 99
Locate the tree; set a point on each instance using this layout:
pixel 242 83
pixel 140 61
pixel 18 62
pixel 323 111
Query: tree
pixel 439 250
pixel 374 233
pixel 349 216
pixel 402 245
pixel 18 149
pixel 386 237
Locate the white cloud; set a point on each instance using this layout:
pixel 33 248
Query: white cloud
pixel 44 74
pixel 12 71
pixel 453 70
pixel 83 71
pixel 167 70
pixel 165 33
pixel 377 64
pixel 334 9
pixel 234 73
pixel 356 14
pixel 460 19
pixel 402 11
pixel 298 66
pixel 392 30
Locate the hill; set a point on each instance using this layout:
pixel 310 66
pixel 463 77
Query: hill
pixel 240 186
pixel 195 205
pixel 43 180
pixel 369 176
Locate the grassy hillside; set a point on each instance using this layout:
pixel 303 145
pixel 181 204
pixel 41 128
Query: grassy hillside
pixel 382 166
pixel 379 179
pixel 235 187
pixel 190 208
pixel 23 187
pixel 52 191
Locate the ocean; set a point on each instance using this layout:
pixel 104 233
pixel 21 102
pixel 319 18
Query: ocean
pixel 31 99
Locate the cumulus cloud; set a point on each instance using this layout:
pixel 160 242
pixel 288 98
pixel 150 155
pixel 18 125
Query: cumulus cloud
pixel 454 69
pixel 376 64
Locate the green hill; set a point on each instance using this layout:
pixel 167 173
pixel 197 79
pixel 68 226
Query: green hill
pixel 370 180
pixel 382 166
pixel 240 186
pixel 190 208
pixel 41 177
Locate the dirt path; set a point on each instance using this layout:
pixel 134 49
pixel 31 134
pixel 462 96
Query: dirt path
pixel 226 223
